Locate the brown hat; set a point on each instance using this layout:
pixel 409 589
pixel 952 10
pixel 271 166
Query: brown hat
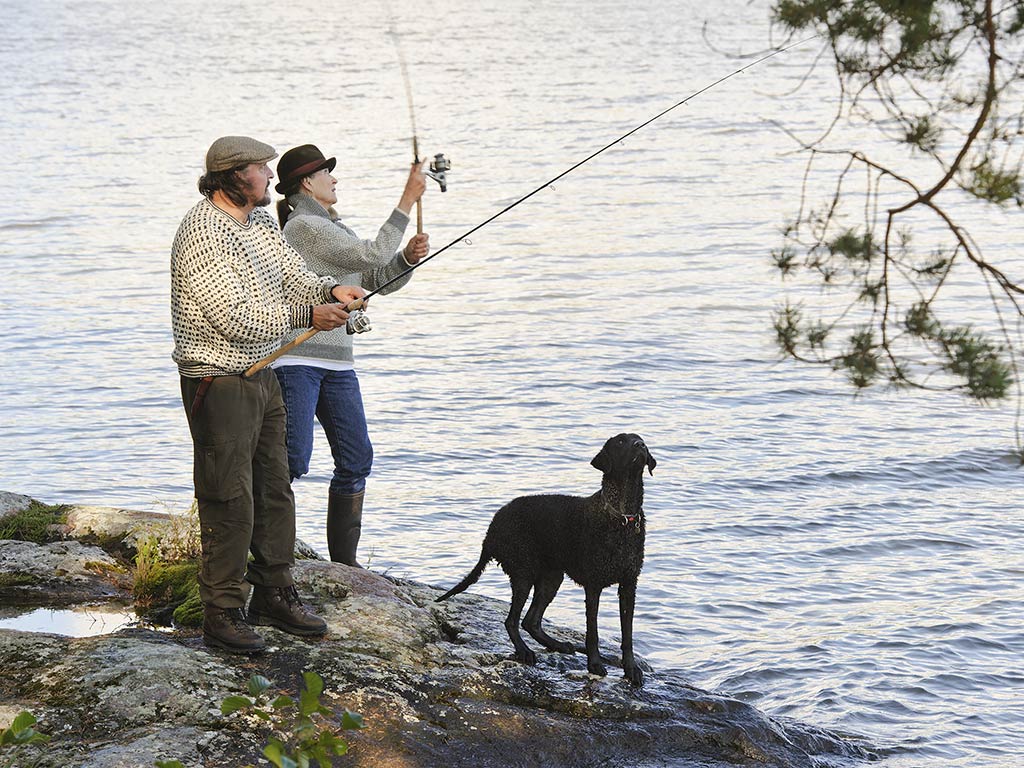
pixel 299 162
pixel 230 152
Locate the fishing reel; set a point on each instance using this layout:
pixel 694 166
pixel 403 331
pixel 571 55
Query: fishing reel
pixel 439 166
pixel 358 322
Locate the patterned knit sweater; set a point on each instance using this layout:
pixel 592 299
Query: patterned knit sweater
pixel 331 248
pixel 236 289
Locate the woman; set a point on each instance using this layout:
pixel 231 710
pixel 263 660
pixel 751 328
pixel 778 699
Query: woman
pixel 319 376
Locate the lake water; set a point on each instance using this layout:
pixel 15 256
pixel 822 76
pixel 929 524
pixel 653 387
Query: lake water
pixel 850 562
pixel 78 621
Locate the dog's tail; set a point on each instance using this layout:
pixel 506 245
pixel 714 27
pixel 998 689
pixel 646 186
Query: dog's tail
pixel 471 579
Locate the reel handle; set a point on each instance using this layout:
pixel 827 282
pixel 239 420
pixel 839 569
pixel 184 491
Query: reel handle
pixel 419 203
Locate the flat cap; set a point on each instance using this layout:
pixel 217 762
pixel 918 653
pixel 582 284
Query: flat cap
pixel 230 152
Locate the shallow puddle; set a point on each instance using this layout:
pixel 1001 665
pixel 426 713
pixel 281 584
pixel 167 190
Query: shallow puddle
pixel 75 621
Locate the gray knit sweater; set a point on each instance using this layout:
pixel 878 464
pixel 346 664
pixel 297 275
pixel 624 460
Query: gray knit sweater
pixel 331 248
pixel 236 289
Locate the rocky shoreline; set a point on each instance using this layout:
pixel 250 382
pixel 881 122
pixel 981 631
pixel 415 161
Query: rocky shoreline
pixel 434 683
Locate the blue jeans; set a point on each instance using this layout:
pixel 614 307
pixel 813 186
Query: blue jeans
pixel 335 398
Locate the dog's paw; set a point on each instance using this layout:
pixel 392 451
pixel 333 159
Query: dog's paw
pixel 634 674
pixel 526 656
pixel 597 668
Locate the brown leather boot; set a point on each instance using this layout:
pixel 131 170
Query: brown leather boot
pixel 227 628
pixel 281 607
pixel 344 526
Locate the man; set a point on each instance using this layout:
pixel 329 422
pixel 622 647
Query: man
pixel 236 289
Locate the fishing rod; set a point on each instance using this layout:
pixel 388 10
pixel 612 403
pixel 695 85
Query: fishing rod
pixel 585 160
pixel 358 322
pixel 360 303
pixel 440 165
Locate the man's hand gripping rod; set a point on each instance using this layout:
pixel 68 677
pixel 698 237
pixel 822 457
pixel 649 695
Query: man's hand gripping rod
pixel 357 323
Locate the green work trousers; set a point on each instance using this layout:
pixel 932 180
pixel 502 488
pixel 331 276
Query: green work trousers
pixel 240 470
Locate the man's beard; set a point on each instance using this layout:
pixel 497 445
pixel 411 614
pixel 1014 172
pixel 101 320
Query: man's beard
pixel 257 198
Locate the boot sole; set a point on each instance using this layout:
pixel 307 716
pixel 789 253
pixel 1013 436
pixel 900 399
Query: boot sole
pixel 291 629
pixel 216 642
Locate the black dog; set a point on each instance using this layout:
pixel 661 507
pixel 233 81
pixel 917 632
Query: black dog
pixel 597 540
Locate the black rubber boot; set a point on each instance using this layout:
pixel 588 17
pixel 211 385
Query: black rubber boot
pixel 227 628
pixel 344 526
pixel 281 607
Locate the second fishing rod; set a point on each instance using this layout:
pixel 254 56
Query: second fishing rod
pixel 361 303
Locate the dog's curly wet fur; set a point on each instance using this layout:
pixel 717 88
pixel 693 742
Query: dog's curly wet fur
pixel 596 540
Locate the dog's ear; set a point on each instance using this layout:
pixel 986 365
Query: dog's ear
pixel 651 463
pixel 600 461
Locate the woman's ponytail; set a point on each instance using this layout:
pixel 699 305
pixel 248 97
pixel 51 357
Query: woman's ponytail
pixel 283 210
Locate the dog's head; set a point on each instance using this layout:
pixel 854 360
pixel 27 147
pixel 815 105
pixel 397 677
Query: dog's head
pixel 624 453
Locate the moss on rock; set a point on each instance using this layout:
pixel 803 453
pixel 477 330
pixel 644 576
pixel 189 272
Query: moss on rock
pixel 164 589
pixel 18 580
pixel 39 523
pixel 190 612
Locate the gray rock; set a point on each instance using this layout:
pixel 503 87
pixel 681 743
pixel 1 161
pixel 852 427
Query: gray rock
pixel 106 523
pixel 135 749
pixel 57 573
pixel 13 502
pixel 304 551
pixel 435 683
pixel 72 571
pixel 129 527
pixel 117 700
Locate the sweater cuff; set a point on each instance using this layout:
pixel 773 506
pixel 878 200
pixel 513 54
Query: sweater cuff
pixel 302 316
pixel 398 219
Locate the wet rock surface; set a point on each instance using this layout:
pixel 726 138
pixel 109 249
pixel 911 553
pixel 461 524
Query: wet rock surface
pixel 61 572
pixel 435 684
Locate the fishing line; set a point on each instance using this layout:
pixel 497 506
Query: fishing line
pixel 567 171
pixel 361 303
pixel 404 66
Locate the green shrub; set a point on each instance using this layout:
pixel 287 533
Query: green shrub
pixel 19 734
pixel 303 732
